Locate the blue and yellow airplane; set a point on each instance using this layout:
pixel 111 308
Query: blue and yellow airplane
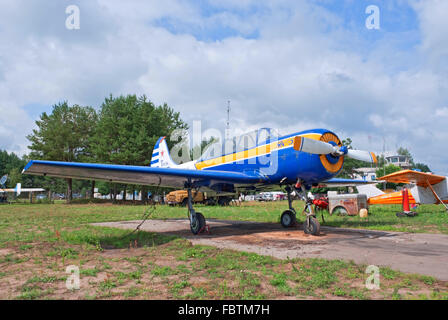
pixel 258 161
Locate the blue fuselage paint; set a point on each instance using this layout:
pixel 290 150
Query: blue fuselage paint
pixel 285 163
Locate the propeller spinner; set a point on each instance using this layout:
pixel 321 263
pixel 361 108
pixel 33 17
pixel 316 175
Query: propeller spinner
pixel 319 147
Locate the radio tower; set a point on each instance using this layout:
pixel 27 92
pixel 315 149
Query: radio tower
pixel 228 121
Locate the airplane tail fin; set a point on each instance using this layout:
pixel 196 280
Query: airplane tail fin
pixel 161 156
pixel 18 189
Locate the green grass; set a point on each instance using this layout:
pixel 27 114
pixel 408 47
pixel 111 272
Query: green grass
pixel 41 240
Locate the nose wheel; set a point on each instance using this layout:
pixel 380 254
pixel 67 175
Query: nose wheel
pixel 311 226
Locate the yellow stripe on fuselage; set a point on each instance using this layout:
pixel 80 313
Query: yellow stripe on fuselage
pixel 254 152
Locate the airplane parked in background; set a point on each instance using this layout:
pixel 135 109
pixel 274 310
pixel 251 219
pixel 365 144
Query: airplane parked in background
pixel 256 161
pixel 426 188
pixel 18 190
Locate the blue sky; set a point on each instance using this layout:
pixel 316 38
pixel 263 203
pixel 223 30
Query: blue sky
pixel 291 65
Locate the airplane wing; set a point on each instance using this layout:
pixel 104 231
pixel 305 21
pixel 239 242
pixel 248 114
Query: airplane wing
pixel 18 189
pixel 429 188
pixel 165 177
pixel 410 176
pixel 340 182
pixel 7 190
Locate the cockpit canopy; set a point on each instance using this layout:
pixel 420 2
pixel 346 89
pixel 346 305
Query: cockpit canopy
pixel 243 142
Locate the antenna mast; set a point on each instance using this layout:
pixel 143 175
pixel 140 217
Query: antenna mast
pixel 228 121
pixel 384 161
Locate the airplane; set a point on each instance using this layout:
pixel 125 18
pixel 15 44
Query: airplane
pixel 427 188
pixel 18 190
pixel 261 160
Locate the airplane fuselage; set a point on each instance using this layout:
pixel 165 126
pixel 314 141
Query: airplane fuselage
pixel 277 159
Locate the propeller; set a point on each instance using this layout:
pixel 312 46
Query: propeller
pixel 3 180
pixel 320 147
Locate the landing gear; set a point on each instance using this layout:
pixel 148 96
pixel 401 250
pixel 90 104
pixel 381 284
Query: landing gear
pixel 288 218
pixel 311 226
pixel 197 220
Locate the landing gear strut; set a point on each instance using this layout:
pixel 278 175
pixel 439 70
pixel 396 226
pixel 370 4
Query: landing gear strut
pixel 288 218
pixel 197 220
pixel 311 224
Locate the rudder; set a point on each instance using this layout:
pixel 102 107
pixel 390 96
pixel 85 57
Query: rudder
pixel 161 156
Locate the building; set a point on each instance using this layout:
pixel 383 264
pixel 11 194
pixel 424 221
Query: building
pixel 403 162
pixel 368 174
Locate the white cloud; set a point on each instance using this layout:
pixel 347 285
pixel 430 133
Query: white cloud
pixel 442 112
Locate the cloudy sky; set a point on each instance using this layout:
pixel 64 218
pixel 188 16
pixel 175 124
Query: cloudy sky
pixel 290 65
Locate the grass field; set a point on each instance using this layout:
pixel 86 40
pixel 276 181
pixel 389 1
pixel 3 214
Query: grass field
pixel 38 242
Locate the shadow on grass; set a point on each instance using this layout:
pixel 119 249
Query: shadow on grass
pixel 114 238
pixel 137 239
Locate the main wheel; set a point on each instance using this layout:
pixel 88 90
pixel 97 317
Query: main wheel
pixel 197 223
pixel 313 227
pixel 340 211
pixel 288 218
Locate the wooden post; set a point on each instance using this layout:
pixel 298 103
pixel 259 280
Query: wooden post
pixel 69 196
pixel 144 195
pixel 92 190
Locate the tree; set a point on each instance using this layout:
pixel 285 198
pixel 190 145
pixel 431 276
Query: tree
pixel 64 135
pixel 8 161
pixel 420 166
pixel 198 150
pixel 129 127
pixel 349 163
pixel 384 171
pixel 423 167
pixel 405 152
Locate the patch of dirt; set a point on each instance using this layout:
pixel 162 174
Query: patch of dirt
pixel 278 237
pixel 6 251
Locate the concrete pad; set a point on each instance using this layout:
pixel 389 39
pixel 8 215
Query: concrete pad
pixel 408 252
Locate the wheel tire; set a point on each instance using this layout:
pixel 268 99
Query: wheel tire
pixel 184 202
pixel 288 219
pixel 313 227
pixel 197 224
pixel 340 211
